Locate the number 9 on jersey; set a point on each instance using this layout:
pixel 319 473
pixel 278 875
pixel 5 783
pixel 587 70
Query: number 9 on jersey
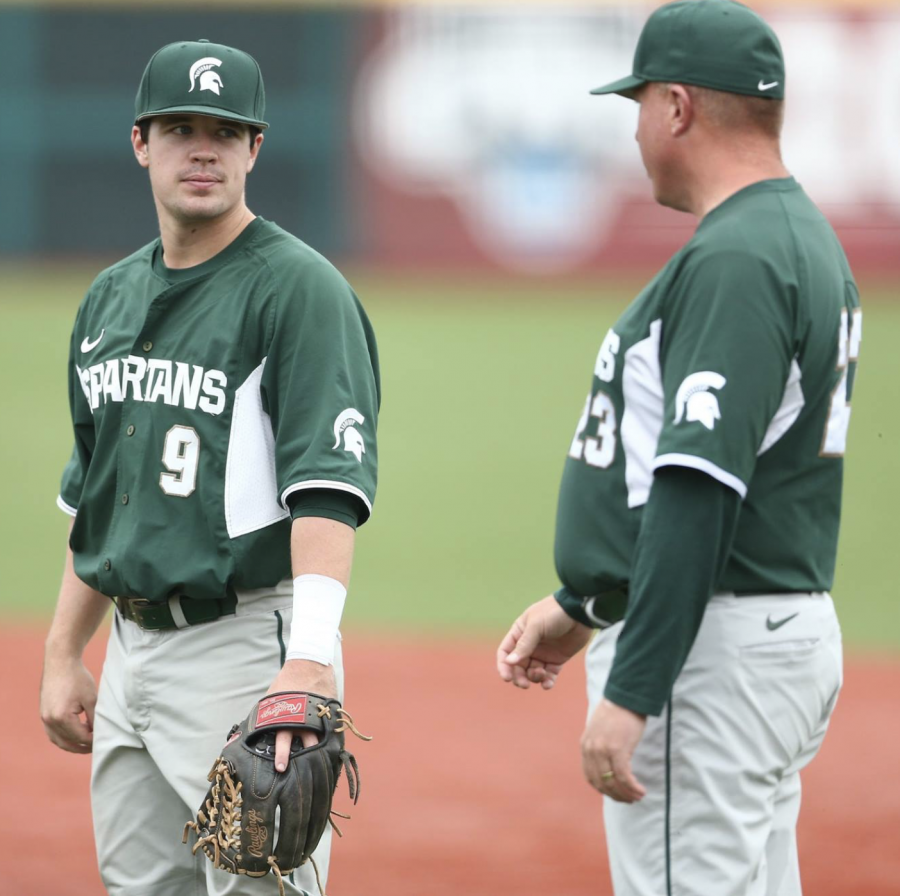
pixel 181 457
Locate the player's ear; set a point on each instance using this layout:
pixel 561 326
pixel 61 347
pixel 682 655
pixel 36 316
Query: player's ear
pixel 140 147
pixel 254 151
pixel 680 109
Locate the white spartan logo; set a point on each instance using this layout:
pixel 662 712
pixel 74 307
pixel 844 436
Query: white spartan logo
pixel 695 403
pixel 344 425
pixel 209 80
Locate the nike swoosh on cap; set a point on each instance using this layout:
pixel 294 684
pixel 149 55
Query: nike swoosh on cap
pixel 771 626
pixel 763 86
pixel 88 346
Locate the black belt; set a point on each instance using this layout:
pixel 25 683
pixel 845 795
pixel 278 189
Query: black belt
pixel 152 615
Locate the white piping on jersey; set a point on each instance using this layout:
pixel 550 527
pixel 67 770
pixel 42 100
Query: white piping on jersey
pixel 693 462
pixel 788 411
pixel 65 508
pixel 251 488
pixel 642 419
pixel 326 483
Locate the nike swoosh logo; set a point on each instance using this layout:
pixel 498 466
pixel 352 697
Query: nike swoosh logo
pixel 763 86
pixel 88 346
pixel 771 626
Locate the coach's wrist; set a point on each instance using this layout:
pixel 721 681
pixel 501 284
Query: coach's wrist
pixel 573 606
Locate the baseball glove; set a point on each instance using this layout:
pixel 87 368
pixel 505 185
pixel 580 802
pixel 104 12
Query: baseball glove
pixel 236 824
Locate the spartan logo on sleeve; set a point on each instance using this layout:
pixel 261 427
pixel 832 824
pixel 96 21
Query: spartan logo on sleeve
pixel 345 425
pixel 695 403
pixel 209 80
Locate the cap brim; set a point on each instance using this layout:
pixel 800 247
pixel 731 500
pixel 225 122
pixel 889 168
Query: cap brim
pixel 204 110
pixel 624 86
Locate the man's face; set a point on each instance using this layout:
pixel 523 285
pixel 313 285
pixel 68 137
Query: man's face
pixel 656 131
pixel 198 165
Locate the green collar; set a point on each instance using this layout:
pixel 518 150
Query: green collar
pixel 180 275
pixel 775 185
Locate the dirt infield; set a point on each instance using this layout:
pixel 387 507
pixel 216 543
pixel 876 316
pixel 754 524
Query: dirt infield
pixel 491 798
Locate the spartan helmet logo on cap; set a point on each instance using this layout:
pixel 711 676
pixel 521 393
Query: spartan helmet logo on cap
pixel 209 80
pixel 695 403
pixel 345 424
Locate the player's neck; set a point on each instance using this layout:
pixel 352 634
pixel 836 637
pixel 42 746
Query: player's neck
pixel 722 174
pixel 187 244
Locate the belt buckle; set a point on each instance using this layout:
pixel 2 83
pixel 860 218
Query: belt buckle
pixel 133 608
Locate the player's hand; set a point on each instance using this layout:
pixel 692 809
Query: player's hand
pixel 300 675
pixel 538 644
pixel 607 745
pixel 68 698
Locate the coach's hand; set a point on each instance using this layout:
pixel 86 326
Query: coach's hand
pixel 68 692
pixel 538 644
pixel 300 675
pixel 607 745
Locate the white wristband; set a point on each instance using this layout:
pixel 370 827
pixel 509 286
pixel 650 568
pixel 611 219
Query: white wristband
pixel 318 605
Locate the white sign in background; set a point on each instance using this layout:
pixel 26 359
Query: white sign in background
pixel 490 107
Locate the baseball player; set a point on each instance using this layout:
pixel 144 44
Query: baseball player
pixel 699 507
pixel 224 390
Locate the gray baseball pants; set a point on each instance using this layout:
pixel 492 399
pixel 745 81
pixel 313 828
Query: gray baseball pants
pixel 721 765
pixel 166 704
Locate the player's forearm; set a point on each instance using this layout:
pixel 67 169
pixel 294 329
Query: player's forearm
pixel 322 547
pixel 684 543
pixel 79 611
pixel 321 557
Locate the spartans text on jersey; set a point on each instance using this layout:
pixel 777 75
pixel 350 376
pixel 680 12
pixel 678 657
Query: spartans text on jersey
pixel 141 379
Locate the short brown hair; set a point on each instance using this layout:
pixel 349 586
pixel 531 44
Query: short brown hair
pixel 734 111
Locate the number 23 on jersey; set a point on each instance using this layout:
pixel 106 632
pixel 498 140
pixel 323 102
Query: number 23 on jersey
pixel 600 450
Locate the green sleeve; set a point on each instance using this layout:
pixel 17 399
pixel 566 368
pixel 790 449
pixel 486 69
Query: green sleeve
pixel 728 350
pixel 684 543
pixel 573 605
pixel 596 611
pixel 329 504
pixel 320 386
pixel 82 419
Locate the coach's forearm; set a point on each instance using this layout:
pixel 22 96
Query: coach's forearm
pixel 79 611
pixel 684 543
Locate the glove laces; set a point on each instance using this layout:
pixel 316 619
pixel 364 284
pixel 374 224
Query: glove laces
pixel 224 832
pixel 279 874
pixel 344 717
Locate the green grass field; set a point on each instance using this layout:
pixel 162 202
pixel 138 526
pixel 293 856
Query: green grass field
pixel 483 384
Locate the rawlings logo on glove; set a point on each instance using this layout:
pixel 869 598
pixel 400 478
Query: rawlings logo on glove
pixel 276 710
pixel 235 826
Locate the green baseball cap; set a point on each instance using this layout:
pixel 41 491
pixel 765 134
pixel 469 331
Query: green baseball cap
pixel 709 43
pixel 204 79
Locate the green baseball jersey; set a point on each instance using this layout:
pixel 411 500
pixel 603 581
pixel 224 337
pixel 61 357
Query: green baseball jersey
pixel 738 360
pixel 202 399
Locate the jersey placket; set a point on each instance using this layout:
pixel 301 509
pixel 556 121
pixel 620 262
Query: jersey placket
pixel 130 448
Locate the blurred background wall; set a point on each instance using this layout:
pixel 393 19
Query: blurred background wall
pixel 430 135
